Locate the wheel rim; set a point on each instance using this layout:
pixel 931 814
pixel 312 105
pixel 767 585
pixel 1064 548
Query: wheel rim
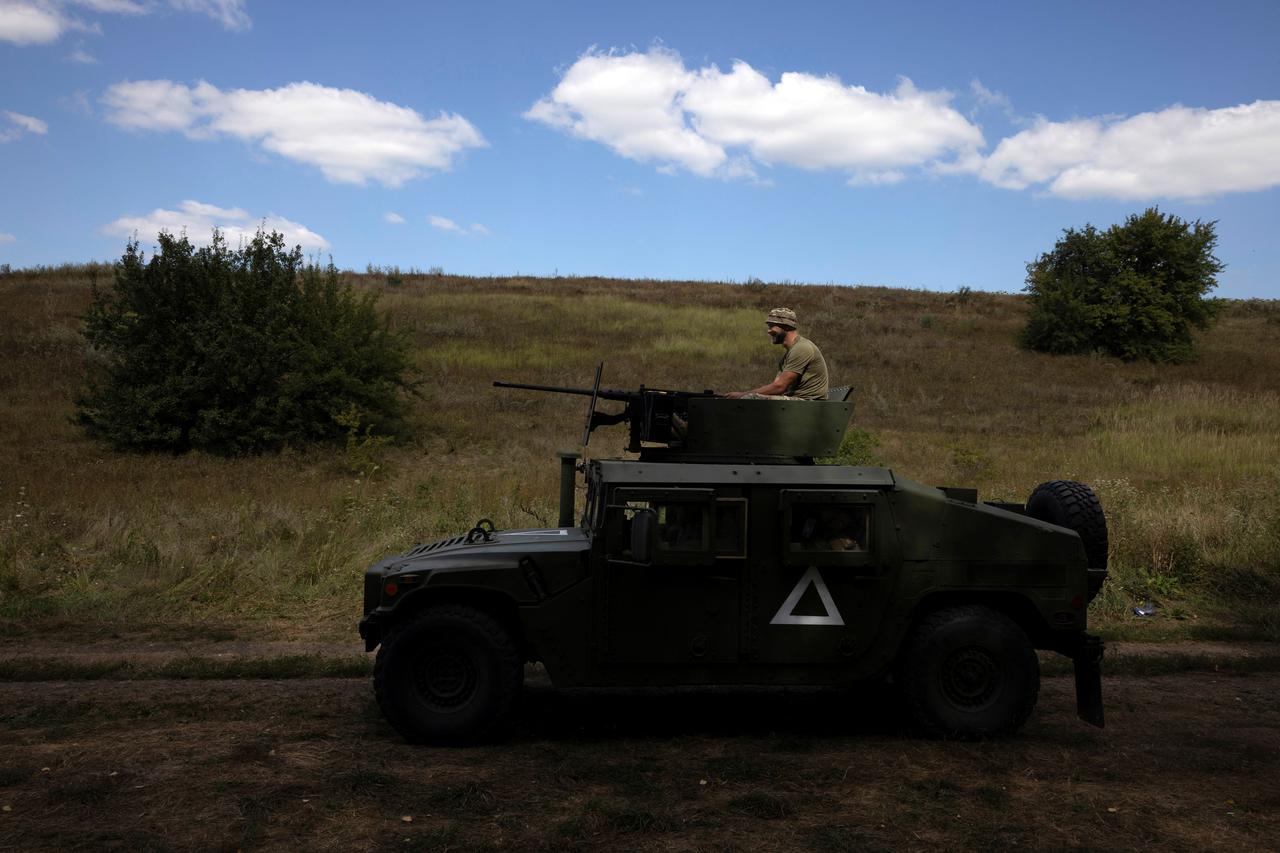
pixel 971 679
pixel 445 678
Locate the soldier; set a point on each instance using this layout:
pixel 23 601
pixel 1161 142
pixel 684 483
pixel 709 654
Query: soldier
pixel 802 372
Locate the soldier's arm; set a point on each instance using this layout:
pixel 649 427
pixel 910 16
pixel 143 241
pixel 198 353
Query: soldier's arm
pixel 778 386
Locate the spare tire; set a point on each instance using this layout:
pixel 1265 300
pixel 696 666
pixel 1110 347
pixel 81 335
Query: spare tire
pixel 1073 506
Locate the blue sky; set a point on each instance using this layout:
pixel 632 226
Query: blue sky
pixel 915 145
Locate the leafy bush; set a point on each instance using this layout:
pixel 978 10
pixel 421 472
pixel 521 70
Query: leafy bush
pixel 858 447
pixel 234 351
pixel 1136 291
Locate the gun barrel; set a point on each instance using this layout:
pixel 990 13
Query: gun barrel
pixel 604 394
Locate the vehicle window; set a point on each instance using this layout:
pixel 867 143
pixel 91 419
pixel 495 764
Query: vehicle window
pixel 830 527
pixel 682 526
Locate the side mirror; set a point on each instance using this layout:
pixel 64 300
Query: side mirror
pixel 644 529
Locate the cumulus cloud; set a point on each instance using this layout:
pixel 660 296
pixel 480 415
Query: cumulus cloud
pixel 350 136
pixel 26 22
pixel 198 221
pixel 1180 152
pixel 15 125
pixel 650 107
pixel 446 224
pixel 31 23
pixel 393 218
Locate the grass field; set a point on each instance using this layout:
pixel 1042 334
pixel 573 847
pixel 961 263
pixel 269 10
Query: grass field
pixel 1186 458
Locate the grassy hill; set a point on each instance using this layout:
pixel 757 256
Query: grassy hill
pixel 1186 458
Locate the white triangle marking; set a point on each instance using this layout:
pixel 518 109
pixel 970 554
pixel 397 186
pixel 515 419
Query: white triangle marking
pixel 786 614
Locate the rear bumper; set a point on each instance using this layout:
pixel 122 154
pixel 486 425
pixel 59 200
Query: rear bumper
pixel 1087 658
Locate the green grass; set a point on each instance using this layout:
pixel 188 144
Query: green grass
pixel 1186 458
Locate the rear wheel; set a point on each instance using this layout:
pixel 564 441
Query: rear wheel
pixel 451 674
pixel 969 671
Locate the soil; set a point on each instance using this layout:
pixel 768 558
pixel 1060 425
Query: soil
pixel 1187 761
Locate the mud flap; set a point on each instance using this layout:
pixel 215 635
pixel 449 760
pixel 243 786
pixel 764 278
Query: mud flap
pixel 1088 666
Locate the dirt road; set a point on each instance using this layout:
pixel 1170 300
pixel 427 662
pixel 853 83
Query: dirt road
pixel 1188 761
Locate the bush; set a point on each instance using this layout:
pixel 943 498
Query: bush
pixel 1136 291
pixel 235 351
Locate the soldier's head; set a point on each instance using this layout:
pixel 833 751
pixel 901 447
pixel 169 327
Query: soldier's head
pixel 779 323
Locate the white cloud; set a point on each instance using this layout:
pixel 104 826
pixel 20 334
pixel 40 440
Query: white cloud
pixel 6 238
pixel 82 56
pixel 198 220
pixel 1179 152
pixel 443 224
pixel 446 224
pixel 30 23
pixel 350 136
pixel 229 13
pixel 15 125
pixel 114 7
pixel 393 218
pixel 650 107
pixel 44 21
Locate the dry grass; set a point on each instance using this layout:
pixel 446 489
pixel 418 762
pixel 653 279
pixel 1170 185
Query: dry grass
pixel 1185 458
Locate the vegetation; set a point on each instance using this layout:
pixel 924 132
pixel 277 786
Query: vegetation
pixel 233 351
pixel 1134 291
pixel 1185 457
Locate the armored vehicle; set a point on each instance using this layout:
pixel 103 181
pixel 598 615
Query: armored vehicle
pixel 723 555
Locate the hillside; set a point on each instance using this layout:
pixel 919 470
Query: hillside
pixel 1186 459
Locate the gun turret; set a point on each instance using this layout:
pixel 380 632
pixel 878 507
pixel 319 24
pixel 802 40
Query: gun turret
pixel 701 426
pixel 651 412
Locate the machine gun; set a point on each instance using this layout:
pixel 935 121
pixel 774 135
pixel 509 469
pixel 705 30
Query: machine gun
pixel 650 412
pixel 701 426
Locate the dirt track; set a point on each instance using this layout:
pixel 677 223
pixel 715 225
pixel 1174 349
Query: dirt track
pixel 1188 761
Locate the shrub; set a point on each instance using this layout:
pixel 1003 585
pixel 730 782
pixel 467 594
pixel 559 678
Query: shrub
pixel 234 351
pixel 1136 291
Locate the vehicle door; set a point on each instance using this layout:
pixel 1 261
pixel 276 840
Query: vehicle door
pixel 821 599
pixel 680 602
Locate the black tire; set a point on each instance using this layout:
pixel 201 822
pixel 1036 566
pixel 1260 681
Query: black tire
pixel 1073 506
pixel 969 671
pixel 450 675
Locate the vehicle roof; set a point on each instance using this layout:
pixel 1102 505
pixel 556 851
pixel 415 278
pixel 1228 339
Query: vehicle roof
pixel 633 472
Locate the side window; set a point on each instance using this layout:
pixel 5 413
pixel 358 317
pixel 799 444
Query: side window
pixel 682 526
pixel 830 527
pixel 693 527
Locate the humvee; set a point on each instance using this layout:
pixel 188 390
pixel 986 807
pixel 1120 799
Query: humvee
pixel 723 555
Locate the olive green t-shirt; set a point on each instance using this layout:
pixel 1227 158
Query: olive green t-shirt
pixel 805 360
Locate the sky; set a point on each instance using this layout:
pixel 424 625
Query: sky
pixel 921 145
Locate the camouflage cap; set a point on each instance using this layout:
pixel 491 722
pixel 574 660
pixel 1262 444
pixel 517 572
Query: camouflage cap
pixel 781 317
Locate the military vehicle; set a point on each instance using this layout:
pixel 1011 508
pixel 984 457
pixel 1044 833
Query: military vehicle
pixel 723 555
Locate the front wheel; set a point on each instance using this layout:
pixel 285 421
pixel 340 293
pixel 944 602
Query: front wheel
pixel 451 674
pixel 969 671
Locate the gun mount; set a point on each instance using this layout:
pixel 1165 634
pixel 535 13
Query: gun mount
pixel 702 426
